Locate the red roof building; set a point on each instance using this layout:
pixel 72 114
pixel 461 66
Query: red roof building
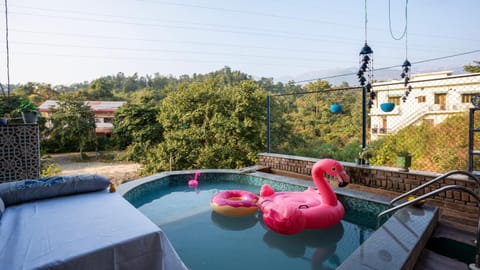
pixel 104 113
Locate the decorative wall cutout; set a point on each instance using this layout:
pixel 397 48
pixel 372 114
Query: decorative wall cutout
pixel 19 152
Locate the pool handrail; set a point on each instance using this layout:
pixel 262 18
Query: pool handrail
pixel 475 265
pixel 426 196
pixel 441 177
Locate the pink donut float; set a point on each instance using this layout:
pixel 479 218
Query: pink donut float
pixel 234 203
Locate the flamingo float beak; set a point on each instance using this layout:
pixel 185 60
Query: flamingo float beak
pixel 343 179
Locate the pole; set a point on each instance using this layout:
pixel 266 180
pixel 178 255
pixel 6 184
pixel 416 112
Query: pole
pixel 364 117
pixel 268 124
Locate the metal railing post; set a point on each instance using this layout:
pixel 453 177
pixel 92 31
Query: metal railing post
pixel 268 124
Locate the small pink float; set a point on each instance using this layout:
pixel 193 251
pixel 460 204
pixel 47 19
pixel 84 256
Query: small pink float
pixel 194 182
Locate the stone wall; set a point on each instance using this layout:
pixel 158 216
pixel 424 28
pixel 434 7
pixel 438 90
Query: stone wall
pixel 19 152
pixel 455 205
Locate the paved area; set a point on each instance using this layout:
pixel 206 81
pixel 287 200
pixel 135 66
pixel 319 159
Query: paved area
pixel 117 171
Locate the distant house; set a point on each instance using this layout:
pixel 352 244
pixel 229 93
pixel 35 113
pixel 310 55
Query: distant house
pixel 104 113
pixel 433 97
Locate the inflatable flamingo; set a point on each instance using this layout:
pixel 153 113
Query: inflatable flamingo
pixel 292 212
pixel 194 182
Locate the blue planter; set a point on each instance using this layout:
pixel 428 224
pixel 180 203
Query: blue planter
pixel 387 107
pixel 336 108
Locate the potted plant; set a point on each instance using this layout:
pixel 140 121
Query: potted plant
pixel 404 160
pixel 363 156
pixel 29 111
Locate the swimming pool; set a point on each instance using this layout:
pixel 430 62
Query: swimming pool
pixel 206 240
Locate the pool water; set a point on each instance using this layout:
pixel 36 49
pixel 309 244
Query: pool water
pixel 206 240
pixel 452 249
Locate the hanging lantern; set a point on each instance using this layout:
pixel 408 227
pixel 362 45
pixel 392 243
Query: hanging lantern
pixel 365 73
pixel 476 101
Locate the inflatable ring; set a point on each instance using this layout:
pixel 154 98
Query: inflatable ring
pixel 234 203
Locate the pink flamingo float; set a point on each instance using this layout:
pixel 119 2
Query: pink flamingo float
pixel 292 212
pixel 193 183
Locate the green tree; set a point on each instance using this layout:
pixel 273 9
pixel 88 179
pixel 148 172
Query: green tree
pixel 439 148
pixel 472 68
pixel 324 134
pixel 136 127
pixel 8 106
pixel 72 123
pixel 100 89
pixel 213 123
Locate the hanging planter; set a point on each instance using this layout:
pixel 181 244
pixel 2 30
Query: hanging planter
pixel 387 106
pixel 335 108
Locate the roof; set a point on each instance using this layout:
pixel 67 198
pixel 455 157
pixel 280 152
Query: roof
pixel 97 106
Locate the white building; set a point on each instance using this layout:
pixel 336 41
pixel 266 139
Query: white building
pixel 433 97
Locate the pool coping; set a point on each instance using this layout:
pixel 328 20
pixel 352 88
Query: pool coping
pixel 396 244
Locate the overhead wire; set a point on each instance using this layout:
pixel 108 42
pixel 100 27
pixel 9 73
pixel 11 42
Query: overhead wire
pixel 76 12
pixel 207 29
pixel 221 62
pixel 245 12
pixel 390 67
pixel 169 51
pixel 261 33
pixel 216 44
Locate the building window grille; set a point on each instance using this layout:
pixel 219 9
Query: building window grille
pixel 441 100
pixel 394 100
pixel 421 99
pixel 467 98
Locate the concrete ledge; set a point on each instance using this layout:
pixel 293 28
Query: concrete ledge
pixel 398 243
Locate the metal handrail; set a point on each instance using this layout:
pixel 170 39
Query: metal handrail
pixel 476 265
pixel 426 196
pixel 441 177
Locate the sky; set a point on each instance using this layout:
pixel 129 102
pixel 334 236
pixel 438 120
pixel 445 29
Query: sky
pixel 66 42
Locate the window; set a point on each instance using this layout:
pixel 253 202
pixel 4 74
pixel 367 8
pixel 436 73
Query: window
pixel 421 99
pixel 108 120
pixel 394 100
pixel 467 98
pixel 441 99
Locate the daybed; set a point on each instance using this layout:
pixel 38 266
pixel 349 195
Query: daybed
pixel 73 222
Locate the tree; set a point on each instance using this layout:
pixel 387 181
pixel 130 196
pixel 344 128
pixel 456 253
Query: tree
pixel 8 105
pixel 72 123
pixel 213 123
pixel 473 68
pixel 136 126
pixel 100 89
